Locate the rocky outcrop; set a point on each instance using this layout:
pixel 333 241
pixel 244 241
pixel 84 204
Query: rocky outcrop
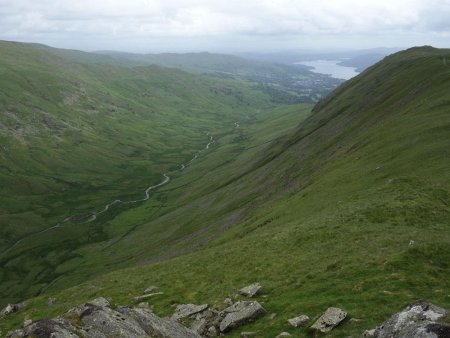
pixel 58 328
pixel 417 320
pixel 206 323
pixel 96 319
pixel 201 319
pixel 240 313
pixel 156 326
pixel 329 320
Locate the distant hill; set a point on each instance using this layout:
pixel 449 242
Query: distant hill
pixel 361 62
pixel 284 83
pixel 293 56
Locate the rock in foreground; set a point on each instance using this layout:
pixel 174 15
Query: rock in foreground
pixel 97 319
pixel 240 313
pixel 417 320
pixel 57 327
pixel 329 320
pixel 186 310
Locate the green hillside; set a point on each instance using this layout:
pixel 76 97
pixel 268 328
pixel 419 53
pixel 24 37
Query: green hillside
pixel 75 136
pixel 282 82
pixel 75 128
pixel 349 208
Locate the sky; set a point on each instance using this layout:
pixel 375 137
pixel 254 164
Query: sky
pixel 226 25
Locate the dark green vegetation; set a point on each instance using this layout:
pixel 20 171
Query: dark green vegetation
pixel 321 215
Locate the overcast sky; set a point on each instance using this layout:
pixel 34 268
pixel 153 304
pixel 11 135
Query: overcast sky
pixel 226 25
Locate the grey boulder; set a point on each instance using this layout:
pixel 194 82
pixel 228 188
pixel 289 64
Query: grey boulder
pixel 240 313
pixel 417 320
pixel 186 310
pixel 250 290
pixel 329 320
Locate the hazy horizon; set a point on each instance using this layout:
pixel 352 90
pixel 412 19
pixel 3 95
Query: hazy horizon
pixel 149 26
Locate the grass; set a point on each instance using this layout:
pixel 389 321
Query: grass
pixel 76 136
pixel 321 213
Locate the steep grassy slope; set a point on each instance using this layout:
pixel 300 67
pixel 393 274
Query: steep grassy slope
pixel 75 136
pixel 64 123
pixel 351 209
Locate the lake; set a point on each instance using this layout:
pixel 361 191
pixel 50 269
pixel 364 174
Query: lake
pixel 330 67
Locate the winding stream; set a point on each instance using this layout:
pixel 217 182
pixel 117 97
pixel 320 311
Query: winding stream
pixel 92 216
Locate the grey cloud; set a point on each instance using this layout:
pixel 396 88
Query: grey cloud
pixel 149 22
